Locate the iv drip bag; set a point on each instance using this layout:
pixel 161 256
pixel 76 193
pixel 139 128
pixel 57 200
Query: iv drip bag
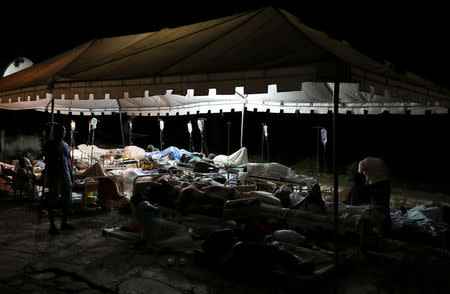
pixel 200 124
pixel 323 133
pixel 94 123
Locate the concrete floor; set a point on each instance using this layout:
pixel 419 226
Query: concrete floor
pixel 88 261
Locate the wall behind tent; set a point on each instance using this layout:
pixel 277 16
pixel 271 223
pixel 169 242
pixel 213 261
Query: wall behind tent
pixel 19 131
pixel 414 147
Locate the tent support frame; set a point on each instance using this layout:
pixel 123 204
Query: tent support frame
pixel 121 126
pixel 335 176
pixel 244 105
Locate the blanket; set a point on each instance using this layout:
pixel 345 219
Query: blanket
pixel 237 159
pixel 278 172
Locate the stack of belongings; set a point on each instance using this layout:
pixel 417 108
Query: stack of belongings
pixel 95 170
pixel 134 152
pixel 3 177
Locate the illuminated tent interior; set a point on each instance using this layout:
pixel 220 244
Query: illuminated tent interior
pixel 264 59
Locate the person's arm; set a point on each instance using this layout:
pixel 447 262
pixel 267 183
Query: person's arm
pixel 149 207
pixel 360 168
pixel 353 197
pixel 27 162
pixel 347 198
pixel 69 163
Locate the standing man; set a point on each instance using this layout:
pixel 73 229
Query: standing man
pixel 377 180
pixel 59 176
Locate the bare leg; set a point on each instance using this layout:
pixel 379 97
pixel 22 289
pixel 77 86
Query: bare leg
pixel 51 202
pixel 66 197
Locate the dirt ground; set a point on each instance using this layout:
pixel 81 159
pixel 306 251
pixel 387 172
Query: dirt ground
pixel 400 193
pixel 89 261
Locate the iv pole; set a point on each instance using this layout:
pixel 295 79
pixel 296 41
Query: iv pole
pixel 265 134
pixel 161 128
pixel 72 137
pixel 189 126
pixel 323 133
pixel 93 122
pixel 201 127
pixel 244 104
pixel 317 155
pixel 228 141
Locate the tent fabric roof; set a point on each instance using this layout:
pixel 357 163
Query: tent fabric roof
pixel 253 49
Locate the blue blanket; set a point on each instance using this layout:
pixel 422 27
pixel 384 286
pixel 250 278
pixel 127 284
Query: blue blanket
pixel 172 152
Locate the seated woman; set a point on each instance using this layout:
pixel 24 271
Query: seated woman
pixel 359 193
pixel 25 176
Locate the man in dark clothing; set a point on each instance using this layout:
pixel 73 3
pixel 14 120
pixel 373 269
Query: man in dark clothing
pixel 377 180
pixel 58 176
pixel 359 193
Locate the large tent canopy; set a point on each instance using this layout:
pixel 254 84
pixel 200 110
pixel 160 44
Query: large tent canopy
pixel 264 59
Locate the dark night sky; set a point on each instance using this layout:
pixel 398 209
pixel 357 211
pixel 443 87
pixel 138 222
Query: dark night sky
pixel 412 37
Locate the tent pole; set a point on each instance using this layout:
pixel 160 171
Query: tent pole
pixel 92 145
pixel 72 143
pixel 244 103
pixel 262 144
pixel 336 182
pixel 131 133
pixel 205 142
pixel 242 122
pixel 317 156
pixel 317 153
pixel 228 141
pixel 121 126
pixel 49 138
pixel 53 109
